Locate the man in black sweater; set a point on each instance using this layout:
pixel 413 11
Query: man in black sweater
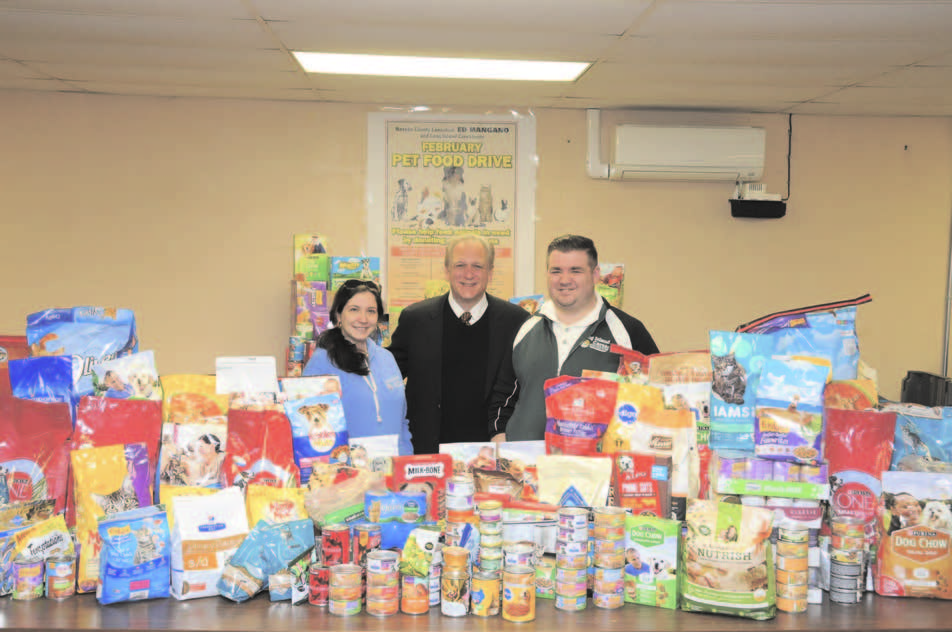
pixel 455 351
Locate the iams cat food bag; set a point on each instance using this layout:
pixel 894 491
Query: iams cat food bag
pixel 914 557
pixel 90 334
pixel 737 361
pixel 136 552
pixel 207 532
pixel 923 441
pixel 130 377
pixel 789 409
pixel 106 480
pixel 259 449
pixel 727 564
pixel 319 432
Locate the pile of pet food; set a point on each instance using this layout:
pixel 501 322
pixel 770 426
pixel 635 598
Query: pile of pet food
pixel 762 474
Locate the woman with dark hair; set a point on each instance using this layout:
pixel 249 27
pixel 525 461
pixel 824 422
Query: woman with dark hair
pixel 371 384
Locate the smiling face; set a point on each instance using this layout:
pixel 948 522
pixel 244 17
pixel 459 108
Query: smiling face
pixel 908 507
pixel 572 279
pixel 358 318
pixel 468 273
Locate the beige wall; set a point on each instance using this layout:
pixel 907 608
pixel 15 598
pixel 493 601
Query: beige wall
pixel 183 211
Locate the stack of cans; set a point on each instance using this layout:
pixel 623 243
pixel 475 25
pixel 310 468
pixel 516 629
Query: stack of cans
pixel 345 590
pixel 490 535
pixel 792 572
pixel 609 557
pixel 455 582
pixel 383 583
pixel 572 559
pixel 847 557
pixel 459 499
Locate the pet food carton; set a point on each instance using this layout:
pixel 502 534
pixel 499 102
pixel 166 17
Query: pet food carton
pixel 641 483
pixel 354 268
pixel 651 561
pixel 424 473
pixel 914 557
pixel 311 261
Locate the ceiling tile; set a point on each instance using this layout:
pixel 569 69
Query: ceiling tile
pixel 172 8
pixel 169 76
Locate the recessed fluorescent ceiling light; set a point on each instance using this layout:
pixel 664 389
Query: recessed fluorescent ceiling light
pixel 443 67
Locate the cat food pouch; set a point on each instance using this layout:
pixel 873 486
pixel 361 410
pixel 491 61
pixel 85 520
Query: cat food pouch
pixel 859 446
pixel 136 552
pixel 90 334
pixel 133 376
pixel 424 473
pixel 468 456
pixel 641 483
pixel 577 413
pixel 914 557
pixel 259 449
pixel 519 459
pixel 207 532
pixel 574 481
pixel 43 540
pixel 737 360
pixel 789 424
pixel 15 518
pixel 274 504
pixel 319 432
pixel 651 561
pixel 34 454
pixel 268 549
pixel 923 441
pixel 106 480
pixel 727 564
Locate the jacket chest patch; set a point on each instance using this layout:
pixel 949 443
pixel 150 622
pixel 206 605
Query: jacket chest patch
pixel 596 344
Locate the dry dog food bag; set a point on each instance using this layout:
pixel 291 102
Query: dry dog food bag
pixel 727 560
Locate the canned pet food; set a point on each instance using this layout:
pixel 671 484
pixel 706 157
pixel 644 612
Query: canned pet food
pixel 575 518
pixel 578 561
pixel 572 589
pixel 572 548
pixel 415 595
pixel 490 511
pixel 460 515
pixel 27 578
pixel 792 563
pixel 436 572
pixel 843 582
pixel 792 549
pixel 455 593
pixel 609 532
pixel 344 608
pixel 608 600
pixel 384 593
pixel 460 503
pixel 609 586
pixel 345 575
pixel 518 554
pixel 484 594
pixel 792 577
pixel 318 585
pixel 846 556
pixel 570 575
pixel 848 526
pixel 844 597
pixel 382 561
pixel 491 541
pixel 609 574
pixel 382 607
pixel 344 593
pixel 570 604
pixel 610 560
pixel 335 544
pixel 792 591
pixel 376 580
pixel 518 594
pixel 609 516
pixel 455 557
pixel 490 528
pixel 847 542
pixel 609 547
pixel 785 604
pixel 366 539
pixel 460 485
pixel 571 534
pixel 787 534
pixel 60 577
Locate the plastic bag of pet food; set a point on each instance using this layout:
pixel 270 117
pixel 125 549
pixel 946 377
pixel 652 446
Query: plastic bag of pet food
pixel 859 446
pixel 192 399
pixel 631 402
pixel 106 480
pixel 43 540
pixel 340 500
pixel 34 455
pixel 90 334
pixel 374 453
pixel 859 394
pixel 914 557
pixel 796 316
pixel 15 518
pixel 319 432
pixel 208 531
pixel 727 564
pixel 47 379
pixel 737 360
pixel 632 365
pixel 574 481
pixel 651 561
pixel 12 348
pixel 169 492
pixel 136 554
pixel 518 459
pixel 268 549
pixel 259 449
pixel 923 441
pixel 274 504
pixel 130 377
pixel 422 545
pixel 577 413
pixel 789 423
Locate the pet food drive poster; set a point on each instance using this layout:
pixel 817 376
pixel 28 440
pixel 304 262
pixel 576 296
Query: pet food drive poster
pixel 446 177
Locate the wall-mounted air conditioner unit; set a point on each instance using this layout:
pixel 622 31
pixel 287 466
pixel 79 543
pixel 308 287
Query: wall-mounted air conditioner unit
pixel 649 152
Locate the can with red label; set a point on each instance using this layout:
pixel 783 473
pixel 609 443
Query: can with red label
pixel 335 544
pixel 318 585
pixel 366 539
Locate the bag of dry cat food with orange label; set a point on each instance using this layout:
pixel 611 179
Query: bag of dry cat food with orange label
pixel 106 480
pixel 577 413
pixel 727 564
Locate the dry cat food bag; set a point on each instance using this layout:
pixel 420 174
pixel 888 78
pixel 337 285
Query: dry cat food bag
pixel 914 558
pixel 727 564
pixel 134 564
pixel 651 561
pixel 259 449
pixel 737 361
pixel 106 480
pixel 577 413
pixel 268 549
pixel 789 423
pixel 319 432
pixel 207 532
pixel 923 441
pixel 574 481
pixel 274 504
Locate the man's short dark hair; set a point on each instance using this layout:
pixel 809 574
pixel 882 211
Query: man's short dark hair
pixel 568 243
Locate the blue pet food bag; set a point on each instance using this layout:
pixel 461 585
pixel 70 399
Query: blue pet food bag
pixel 136 554
pixel 737 360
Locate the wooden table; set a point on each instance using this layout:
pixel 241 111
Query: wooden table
pixel 217 614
